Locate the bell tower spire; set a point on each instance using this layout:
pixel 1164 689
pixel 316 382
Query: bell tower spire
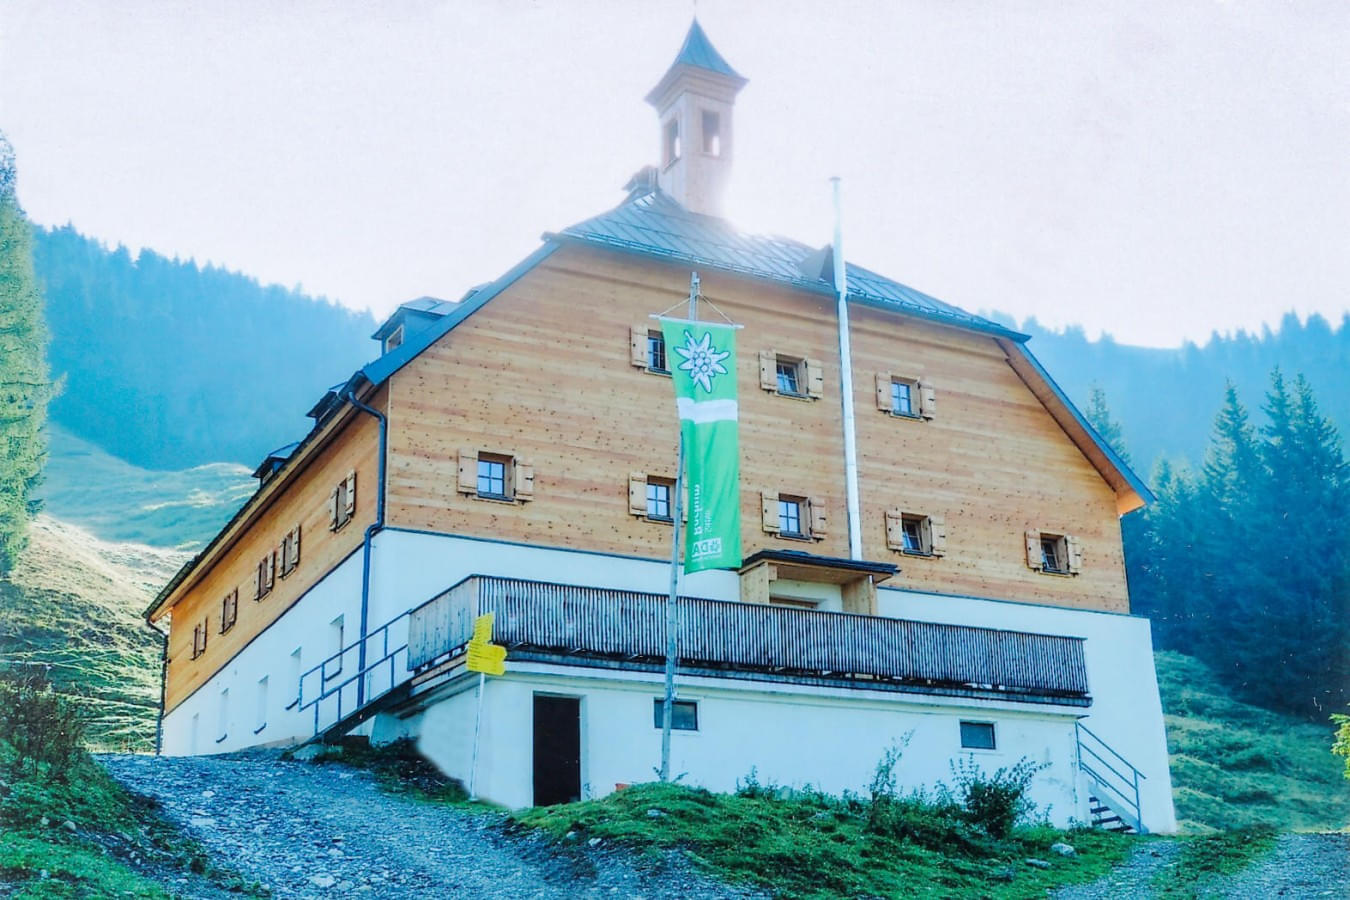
pixel 694 102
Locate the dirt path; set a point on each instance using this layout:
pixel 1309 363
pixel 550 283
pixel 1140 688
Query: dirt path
pixel 306 830
pixel 1300 866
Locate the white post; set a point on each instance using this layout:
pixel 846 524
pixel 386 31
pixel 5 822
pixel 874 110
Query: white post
pixel 846 381
pixel 672 607
pixel 477 729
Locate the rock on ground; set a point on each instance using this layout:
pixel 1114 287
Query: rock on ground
pixel 312 831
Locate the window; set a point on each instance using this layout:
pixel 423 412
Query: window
pixel 902 398
pixel 342 502
pixel 913 540
pixel 266 575
pixel 916 534
pixel 1054 554
pixel 977 736
pixel 260 715
pixel 394 340
pixel 670 143
pixel 712 133
pixel 492 477
pixel 223 724
pixel 793 602
pixel 789 377
pixel 683 714
pixel 296 672
pixel 790 517
pixel 658 499
pixel 656 352
pixel 199 633
pixel 288 554
pixel 333 666
pixel 229 610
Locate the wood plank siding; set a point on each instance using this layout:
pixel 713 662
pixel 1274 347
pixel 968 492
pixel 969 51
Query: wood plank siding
pixel 300 498
pixel 545 373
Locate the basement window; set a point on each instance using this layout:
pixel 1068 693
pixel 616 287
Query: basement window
pixel 683 714
pixel 712 133
pixel 977 736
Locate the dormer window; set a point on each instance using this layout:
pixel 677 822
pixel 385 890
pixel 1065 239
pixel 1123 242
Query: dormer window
pixel 670 143
pixel 394 340
pixel 712 133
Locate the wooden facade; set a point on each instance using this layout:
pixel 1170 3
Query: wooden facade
pixel 291 500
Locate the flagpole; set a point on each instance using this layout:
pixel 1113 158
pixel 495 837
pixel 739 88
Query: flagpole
pixel 672 608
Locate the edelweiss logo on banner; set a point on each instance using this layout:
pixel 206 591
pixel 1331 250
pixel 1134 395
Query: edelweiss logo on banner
pixel 702 360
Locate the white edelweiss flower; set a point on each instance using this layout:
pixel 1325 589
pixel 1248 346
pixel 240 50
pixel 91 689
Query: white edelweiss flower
pixel 702 360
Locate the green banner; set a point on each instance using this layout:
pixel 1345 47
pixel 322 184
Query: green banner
pixel 701 357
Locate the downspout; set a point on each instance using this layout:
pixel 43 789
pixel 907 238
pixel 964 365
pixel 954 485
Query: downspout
pixel 371 530
pixel 846 382
pixel 163 683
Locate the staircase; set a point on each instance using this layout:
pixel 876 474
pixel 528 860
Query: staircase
pixel 1113 785
pixel 344 693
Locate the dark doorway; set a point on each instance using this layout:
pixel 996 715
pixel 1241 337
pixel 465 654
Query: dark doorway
pixel 557 750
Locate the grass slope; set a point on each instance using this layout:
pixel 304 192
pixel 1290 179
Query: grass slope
pixel 1235 765
pixel 74 603
pixel 118 501
pixel 805 845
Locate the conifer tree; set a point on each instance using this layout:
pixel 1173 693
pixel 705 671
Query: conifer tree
pixel 24 385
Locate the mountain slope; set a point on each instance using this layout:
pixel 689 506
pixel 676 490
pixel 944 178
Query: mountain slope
pixel 74 604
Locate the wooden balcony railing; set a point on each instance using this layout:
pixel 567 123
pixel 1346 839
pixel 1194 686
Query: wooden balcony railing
pixel 585 623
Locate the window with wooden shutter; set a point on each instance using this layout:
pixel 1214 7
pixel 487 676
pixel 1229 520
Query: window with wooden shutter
pixel 468 471
pixel 820 519
pixel 768 370
pixel 770 511
pixel 258 590
pixel 295 548
pixel 229 610
pixel 884 392
pixel 523 470
pixel 349 498
pixel 1034 549
pixel 895 530
pixel 637 345
pixel 199 634
pixel 815 379
pixel 289 552
pixel 927 399
pixel 334 502
pixel 637 493
pixel 269 570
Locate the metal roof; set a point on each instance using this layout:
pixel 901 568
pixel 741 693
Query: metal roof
pixel 698 51
pixel 650 222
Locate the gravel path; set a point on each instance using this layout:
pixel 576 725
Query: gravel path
pixel 306 830
pixel 1130 879
pixel 1302 865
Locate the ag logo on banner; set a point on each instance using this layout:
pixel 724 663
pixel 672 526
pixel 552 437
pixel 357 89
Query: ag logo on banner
pixel 702 358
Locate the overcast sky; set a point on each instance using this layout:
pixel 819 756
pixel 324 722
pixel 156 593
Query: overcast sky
pixel 1158 170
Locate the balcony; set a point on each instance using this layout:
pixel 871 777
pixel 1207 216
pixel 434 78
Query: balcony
pixel 627 629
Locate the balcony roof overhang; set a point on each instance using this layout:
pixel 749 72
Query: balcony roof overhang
pixel 798 565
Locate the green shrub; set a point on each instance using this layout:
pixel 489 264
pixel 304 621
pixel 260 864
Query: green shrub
pixel 1342 745
pixel 41 726
pixel 999 801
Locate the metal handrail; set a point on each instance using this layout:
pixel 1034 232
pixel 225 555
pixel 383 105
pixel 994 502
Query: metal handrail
pixel 327 690
pixel 1132 811
pixel 322 667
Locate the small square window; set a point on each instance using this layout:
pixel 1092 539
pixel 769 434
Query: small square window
pixel 790 517
pixel 492 477
pixel 902 398
pixel 656 352
pixel 712 133
pixel 913 535
pixel 789 376
pixel 977 736
pixel 658 499
pixel 1054 556
pixel 683 714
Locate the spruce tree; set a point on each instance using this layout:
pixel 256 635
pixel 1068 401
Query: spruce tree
pixel 24 385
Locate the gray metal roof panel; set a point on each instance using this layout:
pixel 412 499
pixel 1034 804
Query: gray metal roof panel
pixel 698 51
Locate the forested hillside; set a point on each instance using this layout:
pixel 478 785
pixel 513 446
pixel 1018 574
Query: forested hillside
pixel 1165 399
pixel 167 364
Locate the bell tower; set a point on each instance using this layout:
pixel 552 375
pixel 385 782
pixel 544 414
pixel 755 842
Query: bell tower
pixel 694 102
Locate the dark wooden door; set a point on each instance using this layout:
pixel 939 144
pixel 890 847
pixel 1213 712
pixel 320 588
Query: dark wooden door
pixel 557 750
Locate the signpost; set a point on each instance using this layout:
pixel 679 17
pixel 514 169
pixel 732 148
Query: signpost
pixel 485 658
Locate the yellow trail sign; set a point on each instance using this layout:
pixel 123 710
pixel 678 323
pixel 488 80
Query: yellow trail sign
pixel 483 655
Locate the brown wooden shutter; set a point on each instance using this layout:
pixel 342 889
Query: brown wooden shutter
pixel 333 507
pixel 884 391
pixel 637 493
pixel 524 479
pixel 294 559
pixel 1074 551
pixel 258 581
pixel 1034 559
pixel 769 503
pixel 637 338
pixel 927 400
pixel 937 535
pixel 349 507
pixel 468 471
pixel 768 370
pixel 895 530
pixel 815 379
pixel 820 518
pixel 271 566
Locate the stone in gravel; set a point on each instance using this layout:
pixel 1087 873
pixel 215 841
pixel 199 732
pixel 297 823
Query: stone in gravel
pixel 322 881
pixel 202 822
pixel 68 825
pixel 207 795
pixel 336 852
pixel 44 821
pixel 1037 863
pixel 346 886
pixel 654 813
pixel 594 842
pixel 570 836
pixel 1063 849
